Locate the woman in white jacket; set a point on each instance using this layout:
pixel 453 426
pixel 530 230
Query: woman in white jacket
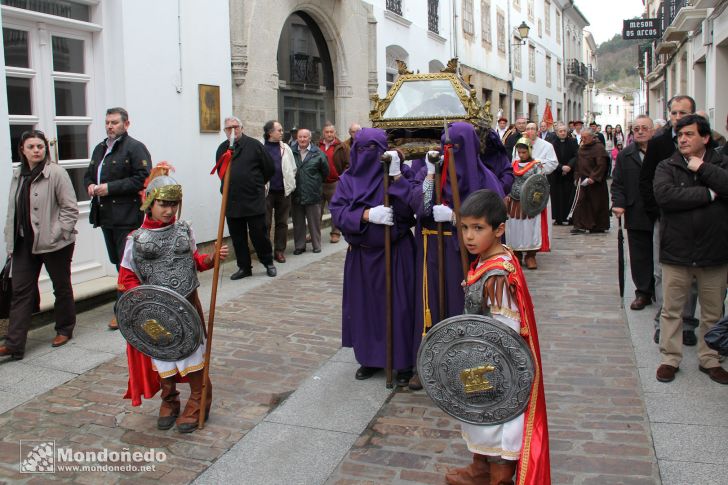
pixel 280 187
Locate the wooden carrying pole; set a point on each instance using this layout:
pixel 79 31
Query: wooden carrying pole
pixel 386 159
pixel 213 295
pixel 452 175
pixel 440 242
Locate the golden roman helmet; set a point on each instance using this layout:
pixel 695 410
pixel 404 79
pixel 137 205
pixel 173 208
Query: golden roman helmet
pixel 526 141
pixel 160 186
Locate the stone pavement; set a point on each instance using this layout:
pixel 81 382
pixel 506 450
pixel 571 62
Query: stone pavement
pixel 277 341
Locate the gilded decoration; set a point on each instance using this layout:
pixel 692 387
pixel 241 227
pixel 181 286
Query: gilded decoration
pixel 415 107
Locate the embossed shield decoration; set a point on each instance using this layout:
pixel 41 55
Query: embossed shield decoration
pixel 476 369
pixel 159 322
pixel 535 194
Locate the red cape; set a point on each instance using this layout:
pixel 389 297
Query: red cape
pixel 534 467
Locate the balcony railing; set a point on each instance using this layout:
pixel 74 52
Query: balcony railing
pixel 395 6
pixel 669 9
pixel 305 69
pixel 575 67
pixel 433 19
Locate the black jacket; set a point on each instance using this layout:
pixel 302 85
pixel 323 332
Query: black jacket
pixel 310 175
pixel 693 230
pixel 510 141
pixel 124 170
pixel 565 154
pixel 659 148
pixel 626 189
pixel 250 169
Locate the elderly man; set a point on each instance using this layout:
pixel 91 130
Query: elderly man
pixel 250 169
pixel 562 178
pixel 592 206
pixel 312 168
pixel 512 135
pixel 282 183
pixel 119 165
pixel 544 133
pixel 626 201
pixel 327 145
pixel 661 147
pixel 343 150
pixel 691 189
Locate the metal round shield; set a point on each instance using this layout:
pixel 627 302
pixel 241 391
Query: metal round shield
pixel 476 369
pixel 535 194
pixel 159 322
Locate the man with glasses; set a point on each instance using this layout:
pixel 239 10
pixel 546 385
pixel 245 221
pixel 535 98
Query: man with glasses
pixel 115 176
pixel 626 201
pixel 661 147
pixel 250 169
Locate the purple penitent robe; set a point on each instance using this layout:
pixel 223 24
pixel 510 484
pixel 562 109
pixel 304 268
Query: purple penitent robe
pixel 364 299
pixel 472 175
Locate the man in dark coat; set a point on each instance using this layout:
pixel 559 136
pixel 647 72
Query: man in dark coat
pixel 312 169
pixel 562 179
pixel 343 151
pixel 592 207
pixel 661 147
pixel 626 201
pixel 250 169
pixel 691 190
pixel 119 166
pixel 514 134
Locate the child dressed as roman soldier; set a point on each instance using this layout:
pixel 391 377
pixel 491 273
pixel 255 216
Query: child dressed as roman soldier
pixel 162 252
pixel 496 287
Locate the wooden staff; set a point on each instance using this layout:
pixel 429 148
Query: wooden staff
pixel 386 159
pixel 440 241
pixel 452 175
pixel 215 278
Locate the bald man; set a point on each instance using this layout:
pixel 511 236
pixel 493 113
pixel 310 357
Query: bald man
pixel 341 154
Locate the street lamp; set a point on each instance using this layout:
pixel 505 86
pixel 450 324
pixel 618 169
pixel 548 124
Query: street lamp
pixel 523 31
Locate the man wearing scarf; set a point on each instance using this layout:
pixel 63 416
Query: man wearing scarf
pixel 357 210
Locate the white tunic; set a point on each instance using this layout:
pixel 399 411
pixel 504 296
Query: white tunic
pixel 525 234
pixel 195 361
pixel 505 439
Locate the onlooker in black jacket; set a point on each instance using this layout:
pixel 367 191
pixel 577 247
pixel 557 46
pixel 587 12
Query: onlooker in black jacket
pixel 661 147
pixel 691 189
pixel 250 169
pixel 119 166
pixel 562 179
pixel 626 201
pixel 513 135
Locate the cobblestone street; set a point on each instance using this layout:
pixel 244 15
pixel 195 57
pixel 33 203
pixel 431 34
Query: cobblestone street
pixel 271 340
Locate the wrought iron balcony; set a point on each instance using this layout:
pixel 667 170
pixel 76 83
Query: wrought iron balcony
pixel 305 69
pixel 395 6
pixel 577 69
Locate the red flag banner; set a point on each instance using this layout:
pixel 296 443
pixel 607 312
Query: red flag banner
pixel 548 117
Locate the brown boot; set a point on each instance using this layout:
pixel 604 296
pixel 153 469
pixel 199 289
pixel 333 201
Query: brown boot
pixel 187 423
pixel 477 473
pixel 169 410
pixel 502 473
pixel 530 260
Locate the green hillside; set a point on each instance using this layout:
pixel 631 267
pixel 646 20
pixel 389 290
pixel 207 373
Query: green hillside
pixel 617 59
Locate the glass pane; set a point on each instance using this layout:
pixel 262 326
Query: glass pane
pixel 72 142
pixel 428 99
pixel 70 98
pixel 15 132
pixel 59 8
pixel 76 175
pixel 19 96
pixel 67 55
pixel 15 43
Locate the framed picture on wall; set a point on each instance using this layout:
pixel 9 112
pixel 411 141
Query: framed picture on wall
pixel 209 108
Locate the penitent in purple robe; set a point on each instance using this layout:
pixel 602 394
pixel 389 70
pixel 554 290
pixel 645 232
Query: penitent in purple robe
pixel 472 175
pixel 495 157
pixel 364 299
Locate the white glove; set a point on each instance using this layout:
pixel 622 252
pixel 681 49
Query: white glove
pixel 431 155
pixel 381 215
pixel 394 165
pixel 442 213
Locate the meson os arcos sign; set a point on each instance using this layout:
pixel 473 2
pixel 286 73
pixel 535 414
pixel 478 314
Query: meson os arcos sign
pixel 641 29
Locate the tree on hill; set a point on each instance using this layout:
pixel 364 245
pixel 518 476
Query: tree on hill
pixel 617 59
